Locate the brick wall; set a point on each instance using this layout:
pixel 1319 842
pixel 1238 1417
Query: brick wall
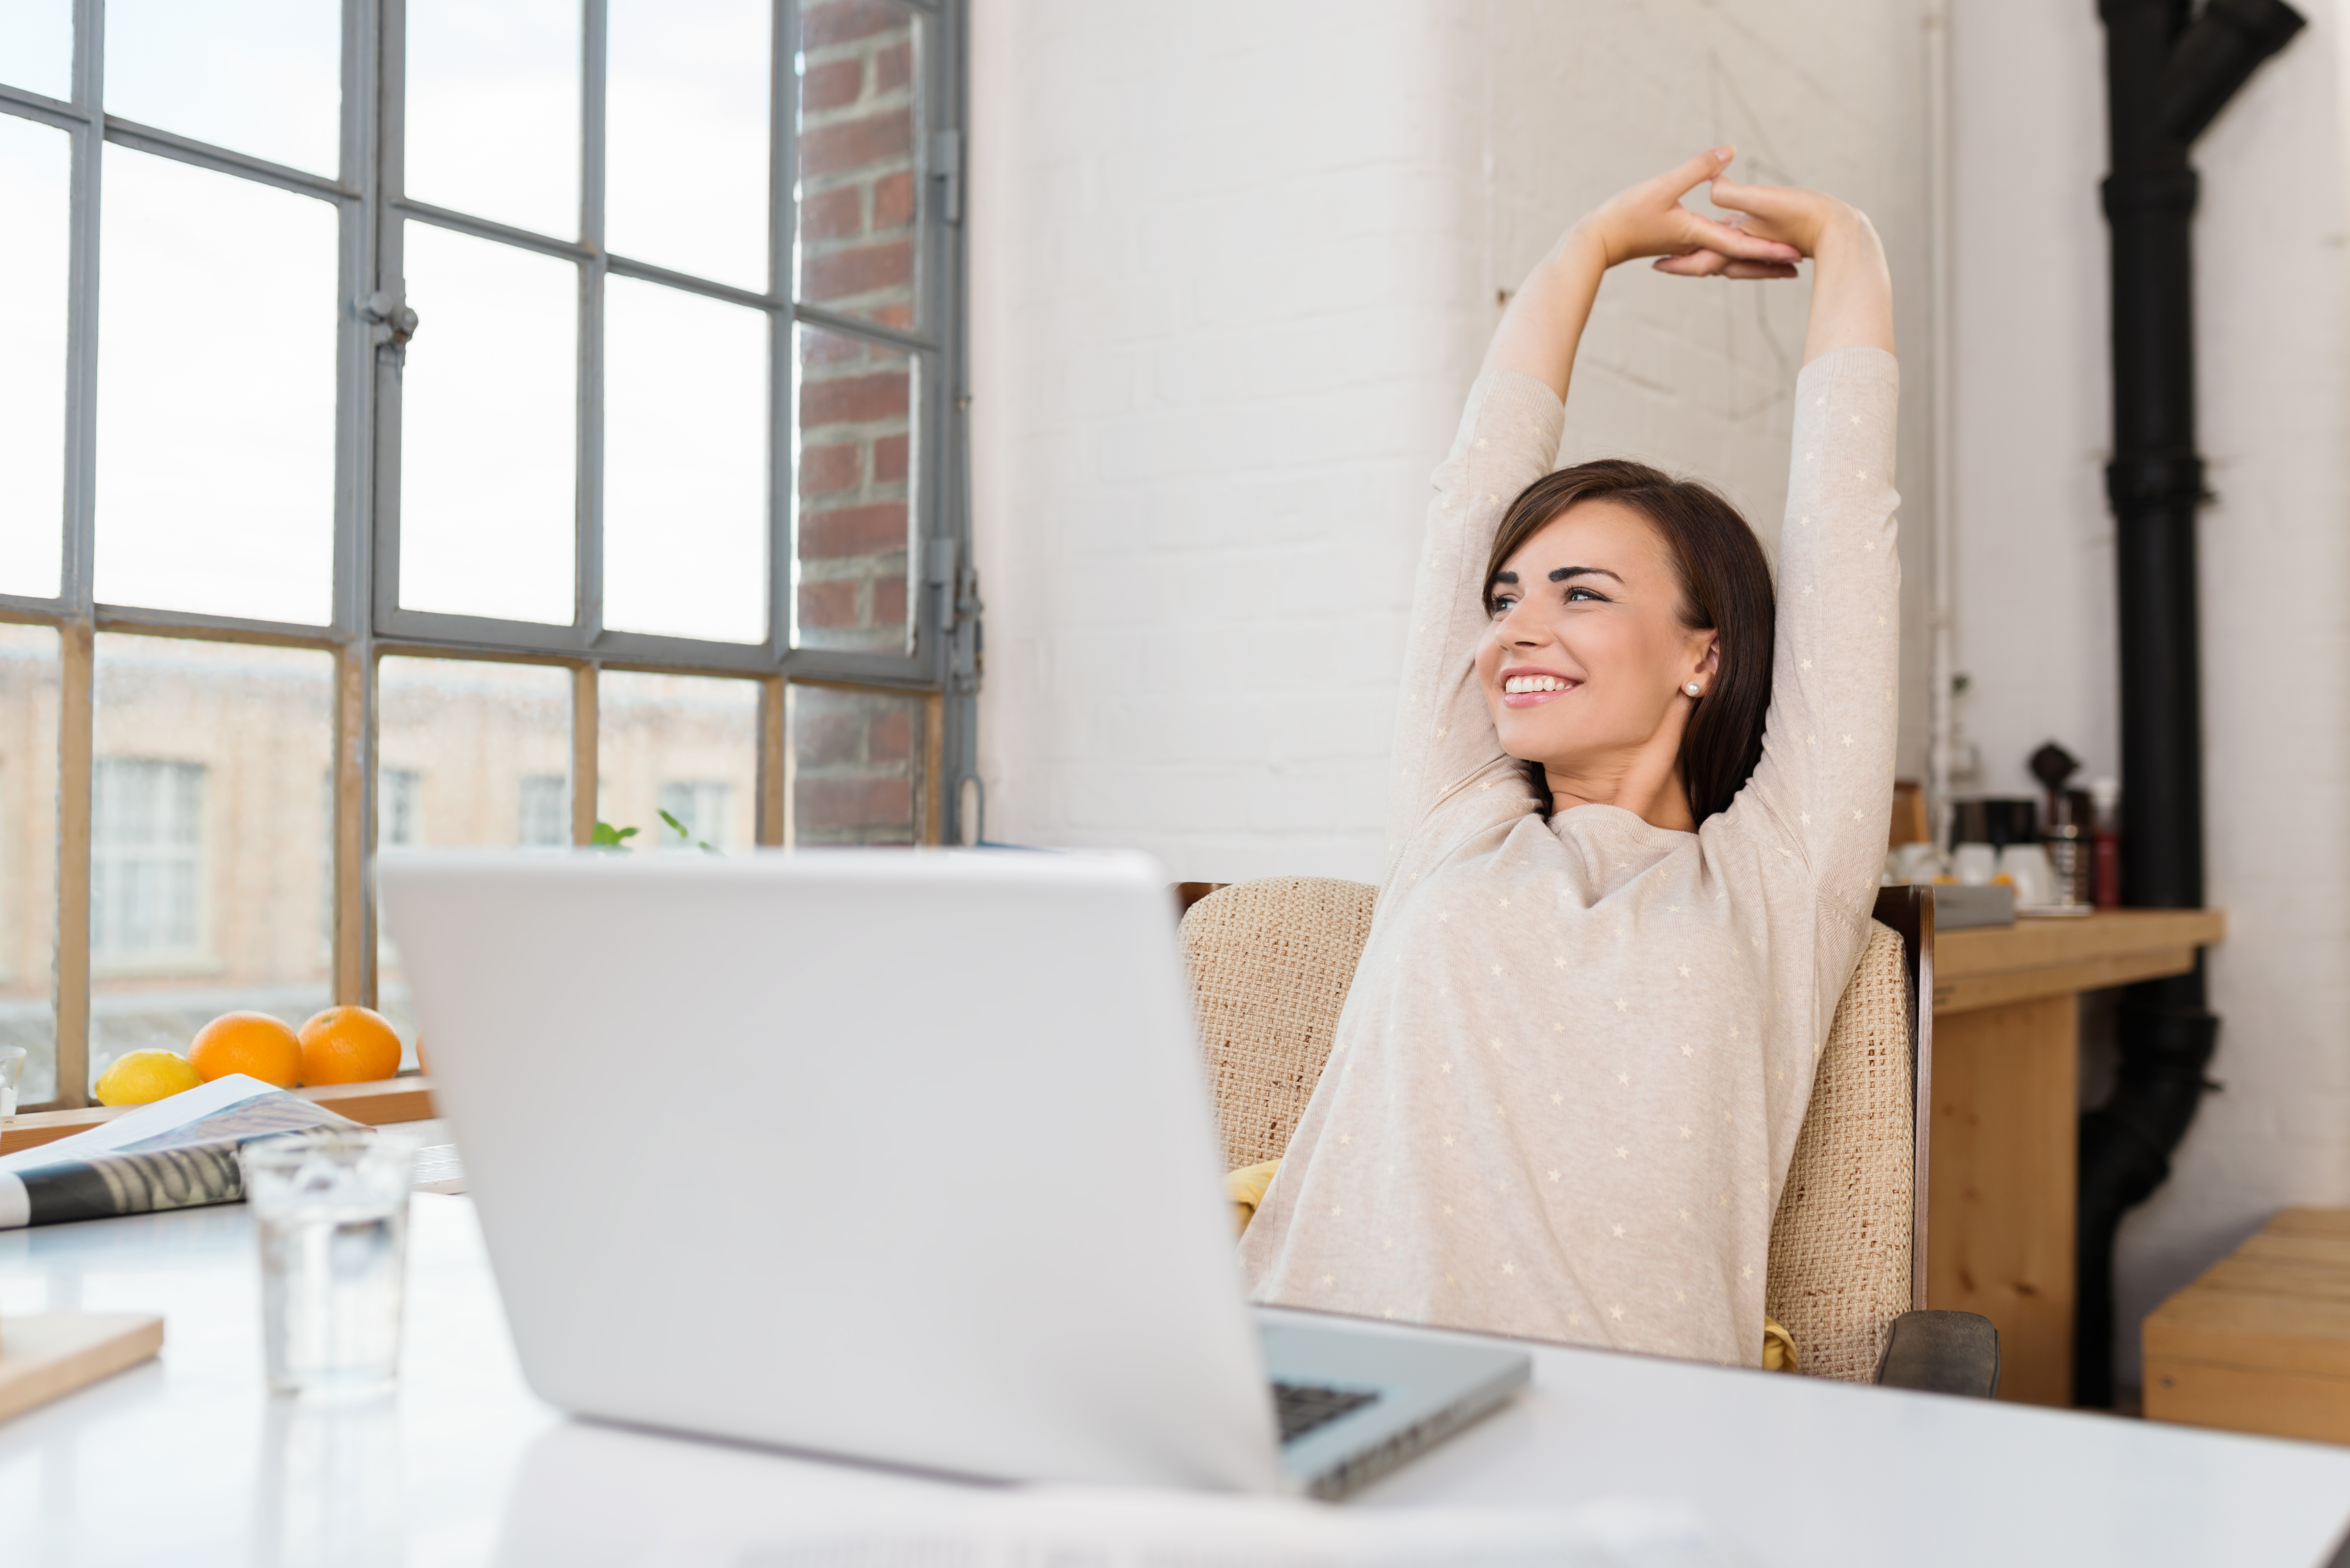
pixel 854 757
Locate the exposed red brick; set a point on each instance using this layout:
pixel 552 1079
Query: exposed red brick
pixel 893 202
pixel 818 346
pixel 845 400
pixel 893 68
pixel 828 604
pixel 854 802
pixel 893 315
pixel 889 601
pixel 826 469
pixel 824 22
pixel 832 84
pixel 891 737
pixel 833 214
pixel 888 460
pixel 853 531
pixel 827 740
pixel 831 275
pixel 852 143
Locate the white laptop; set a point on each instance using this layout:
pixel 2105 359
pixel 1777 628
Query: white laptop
pixel 901 1155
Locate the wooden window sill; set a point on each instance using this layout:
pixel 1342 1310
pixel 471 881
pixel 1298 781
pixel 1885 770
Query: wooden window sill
pixel 406 1099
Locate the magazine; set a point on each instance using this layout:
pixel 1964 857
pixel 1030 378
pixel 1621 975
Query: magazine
pixel 176 1153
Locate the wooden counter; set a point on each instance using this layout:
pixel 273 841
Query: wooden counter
pixel 2002 1189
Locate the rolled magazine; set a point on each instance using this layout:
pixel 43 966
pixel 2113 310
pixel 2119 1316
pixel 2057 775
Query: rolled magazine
pixel 176 1153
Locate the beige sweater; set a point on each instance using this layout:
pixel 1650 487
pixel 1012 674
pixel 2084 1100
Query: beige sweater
pixel 1569 1075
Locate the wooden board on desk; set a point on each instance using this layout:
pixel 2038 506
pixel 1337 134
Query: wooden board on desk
pixel 1990 966
pixel 46 1356
pixel 2261 1342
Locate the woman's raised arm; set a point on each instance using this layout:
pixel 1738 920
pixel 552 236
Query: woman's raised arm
pixel 1852 291
pixel 1540 331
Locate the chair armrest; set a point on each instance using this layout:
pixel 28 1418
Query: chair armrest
pixel 1942 1353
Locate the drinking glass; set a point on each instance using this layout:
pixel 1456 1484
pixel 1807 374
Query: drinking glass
pixel 12 1074
pixel 331 1209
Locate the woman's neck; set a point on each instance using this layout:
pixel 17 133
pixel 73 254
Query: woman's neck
pixel 1646 785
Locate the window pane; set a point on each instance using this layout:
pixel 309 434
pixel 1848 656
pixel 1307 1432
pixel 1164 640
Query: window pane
pixel 493 120
pixel 207 838
pixel 29 852
pixel 263 77
pixel 857 766
pixel 470 752
pixel 36 48
pixel 859 184
pixel 487 421
pixel 35 192
pixel 854 509
pixel 685 744
pixel 215 394
pixel 687 128
pixel 685 463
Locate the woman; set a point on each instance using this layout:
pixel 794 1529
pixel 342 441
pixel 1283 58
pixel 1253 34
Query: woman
pixel 1636 838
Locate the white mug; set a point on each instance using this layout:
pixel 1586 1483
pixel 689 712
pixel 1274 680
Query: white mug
pixel 1974 865
pixel 2027 865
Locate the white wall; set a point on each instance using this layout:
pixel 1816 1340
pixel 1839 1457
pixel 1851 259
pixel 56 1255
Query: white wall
pixel 1234 267
pixel 2035 595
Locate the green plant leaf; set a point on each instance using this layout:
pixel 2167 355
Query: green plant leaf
pixel 607 836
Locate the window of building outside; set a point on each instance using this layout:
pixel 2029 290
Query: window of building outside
pixel 575 437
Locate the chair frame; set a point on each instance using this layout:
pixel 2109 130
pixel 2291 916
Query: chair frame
pixel 1908 909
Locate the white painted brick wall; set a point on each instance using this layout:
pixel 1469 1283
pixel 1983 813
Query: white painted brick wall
pixel 1234 267
pixel 2036 555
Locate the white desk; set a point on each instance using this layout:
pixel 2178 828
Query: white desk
pixel 188 1462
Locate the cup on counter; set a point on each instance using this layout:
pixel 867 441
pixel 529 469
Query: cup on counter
pixel 331 1211
pixel 2026 866
pixel 1974 865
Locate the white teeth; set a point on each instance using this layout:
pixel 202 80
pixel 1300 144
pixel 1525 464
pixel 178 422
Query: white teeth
pixel 1517 684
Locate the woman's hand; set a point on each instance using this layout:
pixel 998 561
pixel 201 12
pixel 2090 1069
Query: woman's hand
pixel 1852 290
pixel 1648 220
pixel 1772 227
pixel 1802 221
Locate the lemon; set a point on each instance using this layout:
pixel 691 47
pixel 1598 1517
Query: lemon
pixel 138 1076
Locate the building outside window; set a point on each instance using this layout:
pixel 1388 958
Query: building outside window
pixel 583 433
pixel 146 846
pixel 699 808
pixel 546 811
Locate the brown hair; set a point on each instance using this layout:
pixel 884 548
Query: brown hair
pixel 1725 588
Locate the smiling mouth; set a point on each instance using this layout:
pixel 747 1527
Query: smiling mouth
pixel 1526 691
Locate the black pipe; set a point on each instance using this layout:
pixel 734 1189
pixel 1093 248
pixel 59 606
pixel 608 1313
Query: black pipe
pixel 2167 72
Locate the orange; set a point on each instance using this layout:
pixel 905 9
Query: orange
pixel 349 1045
pixel 253 1043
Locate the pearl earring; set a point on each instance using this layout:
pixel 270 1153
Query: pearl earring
pixel 1692 688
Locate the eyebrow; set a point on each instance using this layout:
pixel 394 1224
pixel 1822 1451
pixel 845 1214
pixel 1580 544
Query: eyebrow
pixel 1564 572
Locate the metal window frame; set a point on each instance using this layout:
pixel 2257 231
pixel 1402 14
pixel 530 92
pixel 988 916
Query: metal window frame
pixel 366 620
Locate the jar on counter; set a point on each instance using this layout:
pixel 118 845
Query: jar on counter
pixel 2106 842
pixel 2071 851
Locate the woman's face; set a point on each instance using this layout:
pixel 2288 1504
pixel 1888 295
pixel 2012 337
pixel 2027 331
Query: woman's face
pixel 1587 658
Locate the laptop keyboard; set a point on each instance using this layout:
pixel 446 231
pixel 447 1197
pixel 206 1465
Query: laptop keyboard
pixel 1302 1406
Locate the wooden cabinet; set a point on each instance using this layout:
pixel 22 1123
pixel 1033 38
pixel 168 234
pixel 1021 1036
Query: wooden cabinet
pixel 2002 1194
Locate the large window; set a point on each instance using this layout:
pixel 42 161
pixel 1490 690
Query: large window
pixel 517 413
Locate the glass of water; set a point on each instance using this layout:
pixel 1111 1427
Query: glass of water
pixel 331 1208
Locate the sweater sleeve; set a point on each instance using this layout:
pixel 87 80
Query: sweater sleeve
pixel 1820 799
pixel 1444 735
